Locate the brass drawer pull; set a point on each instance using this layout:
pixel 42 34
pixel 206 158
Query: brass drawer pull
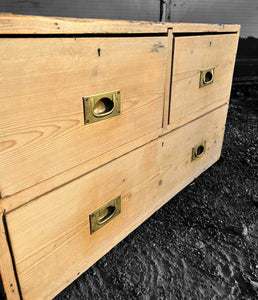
pixel 105 214
pixel 206 77
pixel 101 106
pixel 198 150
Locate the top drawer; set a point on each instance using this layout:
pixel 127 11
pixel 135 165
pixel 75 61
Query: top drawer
pixel 202 73
pixel 43 80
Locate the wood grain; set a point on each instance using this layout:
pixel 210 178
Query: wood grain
pixel 6 265
pixel 191 55
pixel 202 27
pixel 50 236
pixel 43 81
pixel 20 198
pixel 19 24
pixel 195 115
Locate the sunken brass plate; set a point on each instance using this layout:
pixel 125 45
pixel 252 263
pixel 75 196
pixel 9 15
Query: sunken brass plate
pixel 198 150
pixel 101 106
pixel 105 214
pixel 206 77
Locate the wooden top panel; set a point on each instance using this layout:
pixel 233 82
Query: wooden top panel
pixel 21 24
pixel 195 27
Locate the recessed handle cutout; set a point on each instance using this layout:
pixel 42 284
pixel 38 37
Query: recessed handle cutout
pixel 101 106
pixel 105 214
pixel 198 150
pixel 206 77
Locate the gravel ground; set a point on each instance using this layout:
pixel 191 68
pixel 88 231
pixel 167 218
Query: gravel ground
pixel 203 244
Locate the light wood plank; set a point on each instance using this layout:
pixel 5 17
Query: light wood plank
pixel 50 236
pixel 43 81
pixel 20 198
pixel 6 265
pixel 202 27
pixel 196 114
pixel 20 24
pixel 191 55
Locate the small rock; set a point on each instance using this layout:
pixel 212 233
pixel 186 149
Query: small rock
pixel 200 245
pixel 245 231
pixel 254 284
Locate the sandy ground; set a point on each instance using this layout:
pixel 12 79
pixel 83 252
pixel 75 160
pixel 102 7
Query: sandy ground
pixel 203 244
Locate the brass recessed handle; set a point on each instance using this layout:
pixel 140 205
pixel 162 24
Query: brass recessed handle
pixel 105 214
pixel 198 150
pixel 206 77
pixel 101 106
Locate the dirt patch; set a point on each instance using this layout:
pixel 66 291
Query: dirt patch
pixel 203 244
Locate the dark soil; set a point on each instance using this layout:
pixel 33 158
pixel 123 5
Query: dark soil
pixel 203 244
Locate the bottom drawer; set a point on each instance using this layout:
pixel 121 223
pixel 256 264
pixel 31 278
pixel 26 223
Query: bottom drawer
pixel 50 236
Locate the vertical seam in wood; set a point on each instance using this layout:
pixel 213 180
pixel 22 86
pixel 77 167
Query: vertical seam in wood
pixel 2 291
pixel 167 81
pixel 4 224
pixel 171 81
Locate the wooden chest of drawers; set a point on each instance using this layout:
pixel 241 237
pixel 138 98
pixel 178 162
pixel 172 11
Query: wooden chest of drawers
pixel 102 122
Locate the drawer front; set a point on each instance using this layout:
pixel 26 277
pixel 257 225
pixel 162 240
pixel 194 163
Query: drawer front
pixel 196 58
pixel 43 81
pixel 51 236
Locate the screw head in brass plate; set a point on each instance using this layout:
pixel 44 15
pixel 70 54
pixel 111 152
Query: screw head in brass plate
pixel 101 106
pixel 206 77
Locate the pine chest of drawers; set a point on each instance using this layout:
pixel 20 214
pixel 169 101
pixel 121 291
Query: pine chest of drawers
pixel 102 122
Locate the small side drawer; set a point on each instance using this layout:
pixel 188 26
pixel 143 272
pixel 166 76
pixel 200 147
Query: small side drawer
pixel 202 74
pixel 51 237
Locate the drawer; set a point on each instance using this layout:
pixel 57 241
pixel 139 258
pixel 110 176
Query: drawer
pixel 43 82
pixel 51 236
pixel 202 74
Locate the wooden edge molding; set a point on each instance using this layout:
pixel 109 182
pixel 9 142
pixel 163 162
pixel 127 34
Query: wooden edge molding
pixel 7 271
pixel 206 28
pixel 22 24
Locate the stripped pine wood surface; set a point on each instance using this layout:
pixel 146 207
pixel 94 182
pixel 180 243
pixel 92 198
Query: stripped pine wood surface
pixel 196 114
pixel 54 229
pixel 207 28
pixel 43 81
pixel 191 55
pixel 19 24
pixel 55 171
pixel 22 197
